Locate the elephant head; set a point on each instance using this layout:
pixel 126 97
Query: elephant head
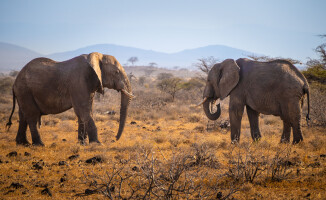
pixel 222 78
pixel 111 75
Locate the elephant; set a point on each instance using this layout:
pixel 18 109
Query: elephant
pixel 45 86
pixel 273 88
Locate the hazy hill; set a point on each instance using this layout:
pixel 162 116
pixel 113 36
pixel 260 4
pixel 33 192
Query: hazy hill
pixel 15 57
pixel 183 59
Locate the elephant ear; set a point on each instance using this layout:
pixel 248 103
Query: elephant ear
pixel 94 59
pixel 229 77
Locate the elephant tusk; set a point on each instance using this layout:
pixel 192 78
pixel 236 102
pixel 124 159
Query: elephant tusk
pixel 201 103
pixel 127 93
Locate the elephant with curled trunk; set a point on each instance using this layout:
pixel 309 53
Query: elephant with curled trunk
pixel 45 86
pixel 275 88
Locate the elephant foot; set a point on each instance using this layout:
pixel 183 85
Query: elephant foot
pixel 38 144
pixel 285 141
pixel 256 139
pixel 235 142
pixel 82 142
pixel 297 141
pixel 95 142
pixel 23 143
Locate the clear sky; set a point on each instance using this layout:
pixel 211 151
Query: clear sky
pixel 287 28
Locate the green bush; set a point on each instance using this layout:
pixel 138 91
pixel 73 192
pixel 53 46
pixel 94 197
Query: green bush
pixel 316 73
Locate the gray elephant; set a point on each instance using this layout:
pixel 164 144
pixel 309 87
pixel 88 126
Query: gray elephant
pixel 45 86
pixel 275 88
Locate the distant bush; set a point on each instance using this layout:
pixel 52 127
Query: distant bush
pixel 13 73
pixel 316 73
pixel 162 76
pixel 6 85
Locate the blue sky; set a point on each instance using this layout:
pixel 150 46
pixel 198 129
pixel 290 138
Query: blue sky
pixel 286 28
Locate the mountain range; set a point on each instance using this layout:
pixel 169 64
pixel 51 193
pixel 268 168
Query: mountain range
pixel 13 57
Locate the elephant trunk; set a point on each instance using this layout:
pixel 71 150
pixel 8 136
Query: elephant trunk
pixel 125 101
pixel 207 110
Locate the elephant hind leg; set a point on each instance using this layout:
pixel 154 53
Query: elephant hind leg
pixel 254 123
pixel 30 112
pixel 36 138
pixel 21 138
pixel 292 115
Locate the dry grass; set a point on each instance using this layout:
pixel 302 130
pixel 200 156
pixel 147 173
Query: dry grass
pixel 169 151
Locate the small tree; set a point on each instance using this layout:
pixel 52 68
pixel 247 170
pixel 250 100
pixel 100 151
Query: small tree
pixel 170 86
pixel 132 60
pixel 205 65
pixel 149 71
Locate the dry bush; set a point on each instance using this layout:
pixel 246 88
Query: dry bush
pixel 150 175
pixel 279 166
pixel 318 106
pixel 248 163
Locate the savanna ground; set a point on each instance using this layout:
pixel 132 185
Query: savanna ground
pixel 168 150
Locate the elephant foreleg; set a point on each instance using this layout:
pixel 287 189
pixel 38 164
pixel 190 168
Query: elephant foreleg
pixel 92 131
pixel 236 112
pixel 82 135
pixel 286 132
pixel 87 126
pixel 254 123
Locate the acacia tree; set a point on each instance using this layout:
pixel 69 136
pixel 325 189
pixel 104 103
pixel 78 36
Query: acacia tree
pixel 152 64
pixel 170 86
pixel 132 60
pixel 205 65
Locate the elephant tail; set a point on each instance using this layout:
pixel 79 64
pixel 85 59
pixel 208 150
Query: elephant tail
pixel 306 91
pixel 8 125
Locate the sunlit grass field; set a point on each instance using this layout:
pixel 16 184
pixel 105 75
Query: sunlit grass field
pixel 168 150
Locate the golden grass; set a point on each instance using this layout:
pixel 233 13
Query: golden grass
pixel 164 131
